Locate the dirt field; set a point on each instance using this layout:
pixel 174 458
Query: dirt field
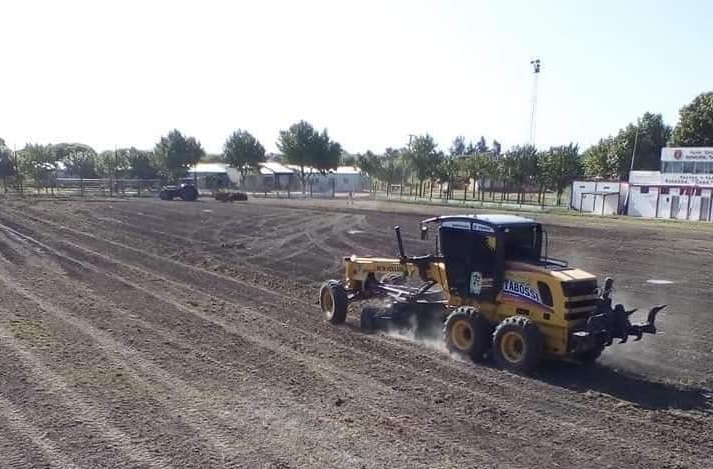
pixel 169 334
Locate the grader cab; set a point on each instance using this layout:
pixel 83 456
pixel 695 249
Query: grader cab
pixel 492 290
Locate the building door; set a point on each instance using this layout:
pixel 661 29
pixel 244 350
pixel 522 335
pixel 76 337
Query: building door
pixel 705 208
pixel 675 205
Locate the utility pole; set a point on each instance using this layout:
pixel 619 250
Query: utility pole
pixel 536 72
pixel 633 152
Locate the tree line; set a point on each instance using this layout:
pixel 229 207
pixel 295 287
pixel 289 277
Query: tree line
pixel 420 164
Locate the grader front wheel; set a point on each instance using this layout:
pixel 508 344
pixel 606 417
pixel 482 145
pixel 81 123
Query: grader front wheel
pixel 333 301
pixel 467 333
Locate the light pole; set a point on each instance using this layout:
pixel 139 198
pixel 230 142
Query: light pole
pixel 536 72
pixel 633 152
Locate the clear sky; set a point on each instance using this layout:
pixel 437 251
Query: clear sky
pixel 126 72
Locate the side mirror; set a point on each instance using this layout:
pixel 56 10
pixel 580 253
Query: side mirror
pixel 424 232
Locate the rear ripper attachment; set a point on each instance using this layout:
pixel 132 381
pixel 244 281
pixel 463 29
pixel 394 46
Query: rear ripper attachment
pixel 607 323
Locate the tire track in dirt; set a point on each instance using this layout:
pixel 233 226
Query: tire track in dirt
pixel 12 419
pixel 85 326
pixel 194 407
pixel 426 433
pixel 98 418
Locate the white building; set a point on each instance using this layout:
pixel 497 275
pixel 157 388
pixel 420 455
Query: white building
pixel 681 190
pixel 342 179
pixel 276 176
pixel 210 176
pixel 599 197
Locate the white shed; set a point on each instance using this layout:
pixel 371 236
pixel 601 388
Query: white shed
pixel 598 197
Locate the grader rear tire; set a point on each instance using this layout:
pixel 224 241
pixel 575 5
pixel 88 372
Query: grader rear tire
pixel 518 345
pixel 467 333
pixel 333 301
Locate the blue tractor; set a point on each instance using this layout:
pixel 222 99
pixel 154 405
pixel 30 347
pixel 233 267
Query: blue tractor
pixel 185 191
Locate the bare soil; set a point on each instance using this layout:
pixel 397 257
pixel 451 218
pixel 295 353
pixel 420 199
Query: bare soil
pixel 171 334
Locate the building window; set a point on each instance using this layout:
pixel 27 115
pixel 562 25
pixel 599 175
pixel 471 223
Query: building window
pixel 672 167
pixel 644 189
pixel 664 191
pixel 698 191
pixel 687 168
pixel 702 167
pixel 346 180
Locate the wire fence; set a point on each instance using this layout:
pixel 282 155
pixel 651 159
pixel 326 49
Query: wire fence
pixel 66 187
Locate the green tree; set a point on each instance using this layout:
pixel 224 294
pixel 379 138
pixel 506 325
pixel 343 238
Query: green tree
pixel 7 164
pixel 560 166
pixel 391 168
pixel 447 171
pixel 348 160
pixel 479 167
pixel 522 168
pixel 304 147
pixel 458 147
pixel 141 164
pixel 112 163
pixel 243 151
pixel 601 160
pixel 174 154
pixel 370 164
pixel 482 146
pixel 653 135
pixel 612 157
pixel 423 158
pixel 695 123
pixel 435 170
pixel 79 159
pixel 38 163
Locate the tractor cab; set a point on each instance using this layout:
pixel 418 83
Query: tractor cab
pixel 475 249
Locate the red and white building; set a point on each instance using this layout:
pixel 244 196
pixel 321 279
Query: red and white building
pixel 682 189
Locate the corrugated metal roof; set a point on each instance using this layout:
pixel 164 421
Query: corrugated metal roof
pixel 211 168
pixel 273 167
pixel 341 170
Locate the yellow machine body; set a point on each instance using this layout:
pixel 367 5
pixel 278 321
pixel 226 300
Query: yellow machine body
pixel 524 293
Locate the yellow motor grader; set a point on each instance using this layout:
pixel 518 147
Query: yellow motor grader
pixel 491 291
